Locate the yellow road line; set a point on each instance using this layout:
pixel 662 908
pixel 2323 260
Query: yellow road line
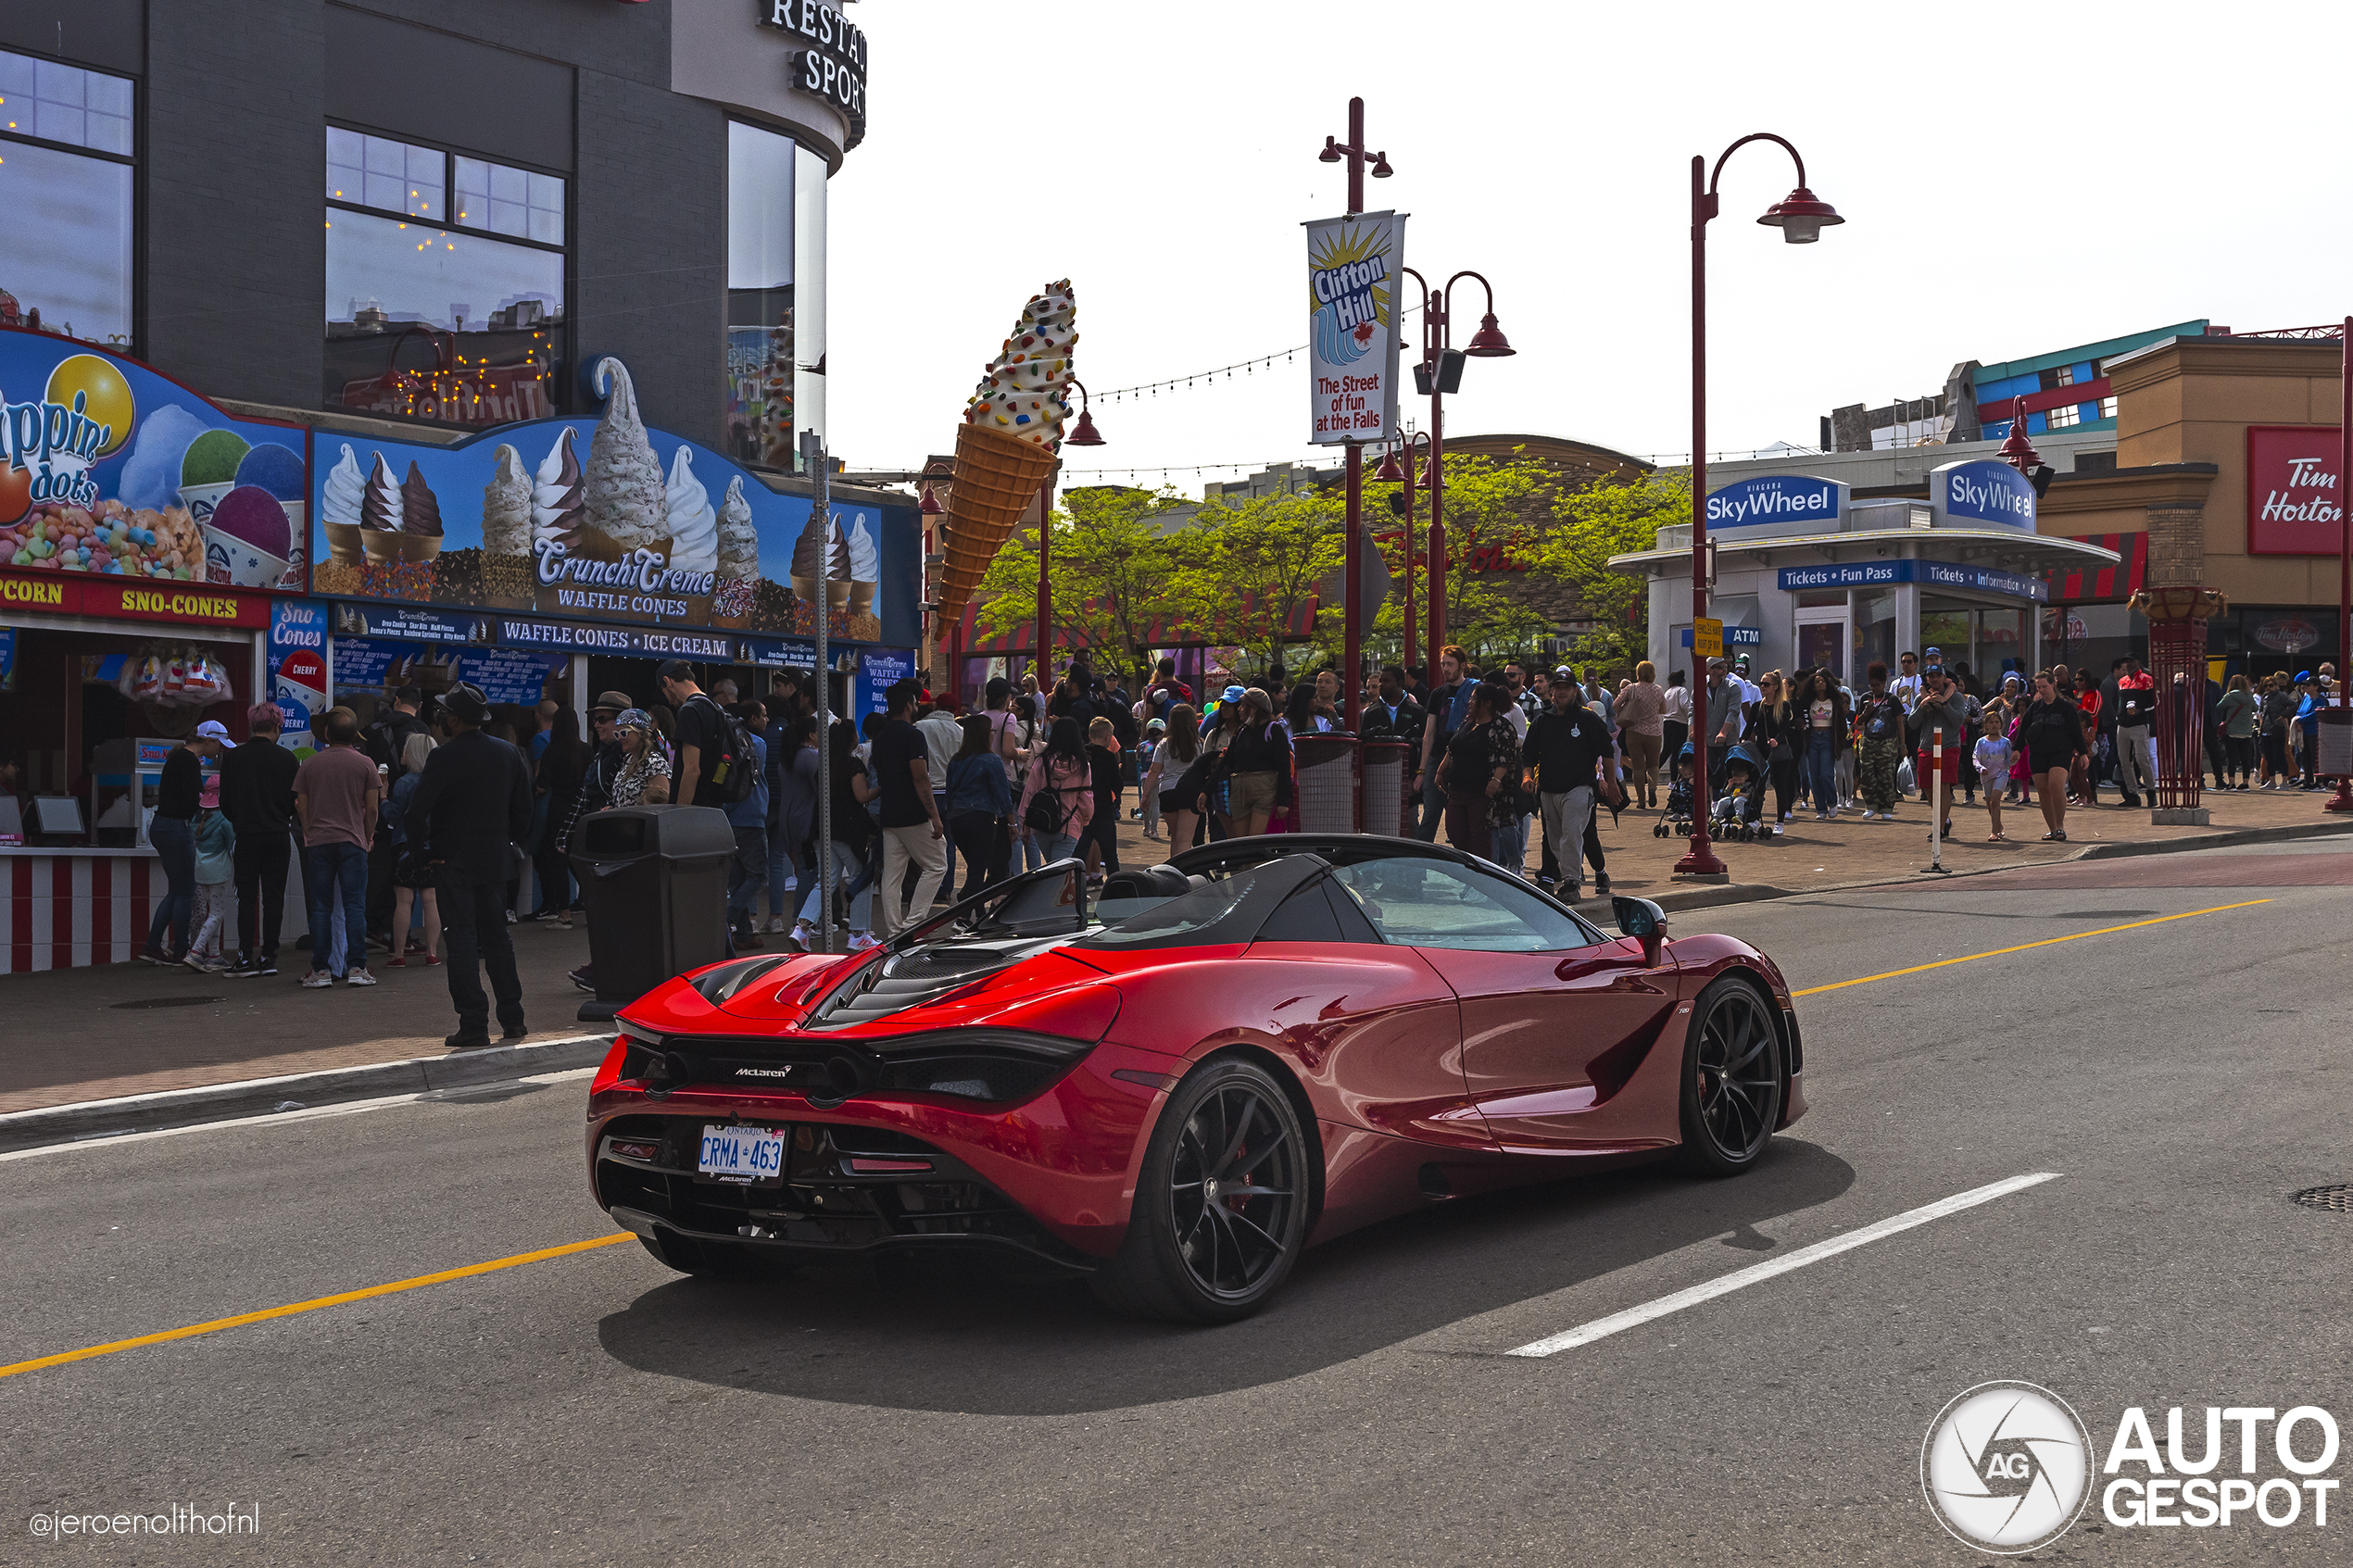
pixel 1998 952
pixel 62 1357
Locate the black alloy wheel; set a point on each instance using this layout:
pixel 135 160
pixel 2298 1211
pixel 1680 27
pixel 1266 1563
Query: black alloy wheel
pixel 1221 1208
pixel 1733 1080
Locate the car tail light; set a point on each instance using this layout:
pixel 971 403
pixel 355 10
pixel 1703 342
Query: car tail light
pixel 610 1073
pixel 865 1165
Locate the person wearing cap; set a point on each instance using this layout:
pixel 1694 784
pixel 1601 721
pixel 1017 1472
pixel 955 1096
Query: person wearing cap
pixel 472 806
pixel 216 879
pixel 256 795
pixel 1209 720
pixel 172 833
pixel 1148 775
pixel 336 794
pixel 604 763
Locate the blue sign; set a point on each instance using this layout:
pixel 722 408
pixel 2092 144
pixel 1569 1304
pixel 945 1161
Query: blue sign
pixel 8 658
pixel 878 670
pixel 1981 494
pixel 297 626
pixel 1786 503
pixel 1932 573
pixel 1735 636
pixel 506 676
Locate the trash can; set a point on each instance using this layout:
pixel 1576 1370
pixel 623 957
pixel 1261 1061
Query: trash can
pixel 653 880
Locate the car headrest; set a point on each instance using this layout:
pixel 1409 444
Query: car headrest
pixel 1148 882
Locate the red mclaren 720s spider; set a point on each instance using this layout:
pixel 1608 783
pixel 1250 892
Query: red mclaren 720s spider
pixel 1174 1084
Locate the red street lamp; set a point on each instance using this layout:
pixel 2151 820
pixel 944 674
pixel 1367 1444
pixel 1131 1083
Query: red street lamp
pixel 1801 218
pixel 1353 153
pixel 1440 373
pixel 1401 503
pixel 2017 451
pixel 2343 799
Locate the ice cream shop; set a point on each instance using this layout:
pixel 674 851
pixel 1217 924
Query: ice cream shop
pixel 1807 576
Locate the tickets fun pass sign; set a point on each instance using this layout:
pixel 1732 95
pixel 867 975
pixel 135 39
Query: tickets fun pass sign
pixel 111 471
pixel 2294 496
pixel 603 520
pixel 1355 268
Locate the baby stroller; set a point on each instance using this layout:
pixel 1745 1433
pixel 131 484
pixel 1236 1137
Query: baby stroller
pixel 1738 796
pixel 1676 821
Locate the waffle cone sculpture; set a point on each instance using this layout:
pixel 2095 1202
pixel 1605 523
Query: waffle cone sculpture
pixel 1007 446
pixel 997 477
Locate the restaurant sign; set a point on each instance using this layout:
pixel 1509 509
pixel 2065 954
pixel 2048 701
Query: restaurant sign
pixel 2294 496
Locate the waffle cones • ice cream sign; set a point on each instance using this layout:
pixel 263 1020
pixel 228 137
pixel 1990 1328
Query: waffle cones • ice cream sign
pixel 598 519
pixel 1355 267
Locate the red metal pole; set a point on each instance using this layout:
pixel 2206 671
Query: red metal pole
pixel 1434 336
pixel 1406 660
pixel 1353 579
pixel 2343 799
pixel 1702 859
pixel 1044 659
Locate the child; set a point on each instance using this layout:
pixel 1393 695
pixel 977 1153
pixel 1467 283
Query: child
pixel 216 879
pixel 1148 779
pixel 1993 760
pixel 1099 841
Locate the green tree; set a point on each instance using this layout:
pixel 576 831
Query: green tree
pixel 1611 518
pixel 1110 573
pixel 1246 570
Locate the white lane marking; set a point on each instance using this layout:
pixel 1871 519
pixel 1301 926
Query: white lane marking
pixel 1600 1328
pixel 457 1093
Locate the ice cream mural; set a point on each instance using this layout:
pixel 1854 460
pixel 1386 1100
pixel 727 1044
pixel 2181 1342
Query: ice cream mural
pixel 605 518
pixel 1010 439
pixel 107 468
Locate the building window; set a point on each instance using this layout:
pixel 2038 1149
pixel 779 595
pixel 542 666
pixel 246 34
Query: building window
pixel 2063 416
pixel 2063 376
pixel 66 162
pixel 427 315
pixel 2107 407
pixel 759 416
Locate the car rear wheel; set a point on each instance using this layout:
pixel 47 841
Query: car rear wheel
pixel 1732 1080
pixel 715 1259
pixel 1221 1204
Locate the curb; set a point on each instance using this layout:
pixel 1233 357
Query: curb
pixel 1744 893
pixel 259 1096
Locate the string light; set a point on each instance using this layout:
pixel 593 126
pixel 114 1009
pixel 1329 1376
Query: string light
pixel 1184 383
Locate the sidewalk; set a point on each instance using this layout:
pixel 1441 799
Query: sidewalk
pixel 86 1034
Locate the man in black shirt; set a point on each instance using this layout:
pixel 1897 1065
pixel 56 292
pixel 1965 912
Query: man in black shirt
pixel 471 806
pixel 256 795
pixel 912 833
pixel 1395 715
pixel 1566 744
pixel 701 736
pixel 383 743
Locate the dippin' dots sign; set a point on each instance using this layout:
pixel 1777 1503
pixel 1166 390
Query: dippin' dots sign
pixel 2227 1473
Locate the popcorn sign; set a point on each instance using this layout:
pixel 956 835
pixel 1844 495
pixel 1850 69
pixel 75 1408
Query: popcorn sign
pixel 1352 266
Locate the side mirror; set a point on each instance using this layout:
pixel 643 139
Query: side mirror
pixel 1645 922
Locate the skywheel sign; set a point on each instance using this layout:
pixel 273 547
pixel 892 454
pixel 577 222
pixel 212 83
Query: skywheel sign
pixel 1355 265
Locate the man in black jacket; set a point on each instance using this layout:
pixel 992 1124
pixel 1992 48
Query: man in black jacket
pixel 383 743
pixel 256 795
pixel 604 764
pixel 473 806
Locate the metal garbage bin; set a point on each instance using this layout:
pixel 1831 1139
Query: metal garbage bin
pixel 653 880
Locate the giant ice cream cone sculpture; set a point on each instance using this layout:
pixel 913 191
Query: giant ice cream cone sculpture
pixel 1006 448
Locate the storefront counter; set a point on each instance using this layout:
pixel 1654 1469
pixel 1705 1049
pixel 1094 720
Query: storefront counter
pixel 68 907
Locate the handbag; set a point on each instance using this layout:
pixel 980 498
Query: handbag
pixel 1903 774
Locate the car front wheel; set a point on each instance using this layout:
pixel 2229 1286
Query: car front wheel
pixel 1221 1204
pixel 1733 1080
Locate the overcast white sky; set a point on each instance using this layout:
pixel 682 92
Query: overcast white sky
pixel 2015 179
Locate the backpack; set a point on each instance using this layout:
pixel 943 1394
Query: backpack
pixel 731 773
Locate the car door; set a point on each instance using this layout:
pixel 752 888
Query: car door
pixel 1555 1015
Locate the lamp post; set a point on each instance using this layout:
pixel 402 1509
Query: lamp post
pixel 1353 153
pixel 1401 503
pixel 1801 219
pixel 1440 373
pixel 2343 799
pixel 1083 433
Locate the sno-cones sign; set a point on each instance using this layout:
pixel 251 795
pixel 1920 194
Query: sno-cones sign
pixel 1008 445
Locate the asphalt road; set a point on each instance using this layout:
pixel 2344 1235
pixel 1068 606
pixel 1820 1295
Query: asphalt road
pixel 2183 1078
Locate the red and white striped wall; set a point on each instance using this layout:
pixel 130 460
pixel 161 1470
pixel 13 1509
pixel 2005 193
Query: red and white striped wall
pixel 72 911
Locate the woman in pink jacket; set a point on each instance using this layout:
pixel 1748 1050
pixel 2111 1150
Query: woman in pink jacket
pixel 1066 777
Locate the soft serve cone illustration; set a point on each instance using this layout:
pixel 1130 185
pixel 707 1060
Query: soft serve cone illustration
pixel 506 531
pixel 694 537
pixel 736 595
pixel 1007 446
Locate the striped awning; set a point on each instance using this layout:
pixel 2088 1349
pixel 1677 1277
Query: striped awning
pixel 2116 581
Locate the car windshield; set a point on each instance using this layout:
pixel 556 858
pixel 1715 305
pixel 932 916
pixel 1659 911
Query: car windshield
pixel 1034 906
pixel 1433 903
pixel 1180 917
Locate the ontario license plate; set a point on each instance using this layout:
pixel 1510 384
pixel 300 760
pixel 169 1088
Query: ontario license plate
pixel 741 1154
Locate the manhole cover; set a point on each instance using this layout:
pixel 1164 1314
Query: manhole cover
pixel 2336 1199
pixel 166 1002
